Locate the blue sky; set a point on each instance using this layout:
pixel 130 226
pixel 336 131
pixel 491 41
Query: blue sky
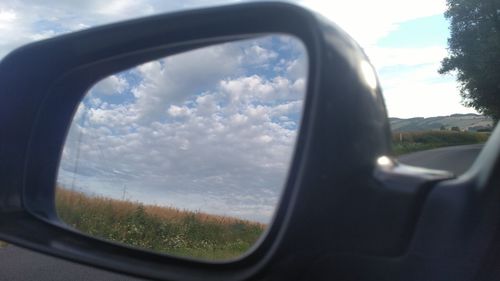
pixel 412 86
pixel 126 120
pixel 418 33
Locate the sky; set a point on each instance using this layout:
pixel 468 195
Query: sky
pixel 221 139
pixel 405 40
pixel 209 130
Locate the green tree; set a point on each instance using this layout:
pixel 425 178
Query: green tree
pixel 474 53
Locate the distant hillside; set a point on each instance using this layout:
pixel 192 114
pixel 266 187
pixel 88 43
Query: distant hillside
pixel 466 122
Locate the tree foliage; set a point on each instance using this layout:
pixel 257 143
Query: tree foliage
pixel 474 53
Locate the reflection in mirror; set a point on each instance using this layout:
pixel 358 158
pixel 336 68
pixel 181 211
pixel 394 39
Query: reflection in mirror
pixel 186 155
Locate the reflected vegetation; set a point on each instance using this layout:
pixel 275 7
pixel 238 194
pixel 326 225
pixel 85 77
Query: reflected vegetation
pixel 158 228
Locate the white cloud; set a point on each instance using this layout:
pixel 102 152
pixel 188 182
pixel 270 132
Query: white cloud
pixel 257 88
pixel 13 29
pixel 179 111
pixel 121 8
pixel 412 85
pixel 258 55
pixel 112 85
pixel 421 91
pixel 175 78
pixel 386 57
pixel 424 100
pixel 369 21
pixel 116 115
pixel 7 17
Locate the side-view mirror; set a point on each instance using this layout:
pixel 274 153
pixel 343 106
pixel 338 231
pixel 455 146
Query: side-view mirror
pixel 188 154
pixel 229 143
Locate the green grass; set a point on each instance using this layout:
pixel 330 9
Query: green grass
pixel 156 228
pixel 3 244
pixel 417 141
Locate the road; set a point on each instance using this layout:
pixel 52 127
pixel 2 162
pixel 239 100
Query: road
pixel 456 159
pixel 19 264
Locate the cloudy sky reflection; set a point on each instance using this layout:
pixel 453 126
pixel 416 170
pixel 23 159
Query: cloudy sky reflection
pixel 211 130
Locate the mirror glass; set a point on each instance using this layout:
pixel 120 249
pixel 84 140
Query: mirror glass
pixel 186 155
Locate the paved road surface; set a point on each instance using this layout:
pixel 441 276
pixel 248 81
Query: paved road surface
pixel 456 159
pixel 17 264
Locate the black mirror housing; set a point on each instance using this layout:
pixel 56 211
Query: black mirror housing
pixel 343 130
